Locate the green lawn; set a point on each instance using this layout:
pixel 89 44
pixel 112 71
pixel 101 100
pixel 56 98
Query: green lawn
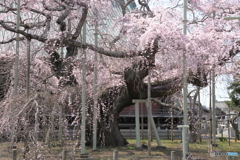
pixel 196 150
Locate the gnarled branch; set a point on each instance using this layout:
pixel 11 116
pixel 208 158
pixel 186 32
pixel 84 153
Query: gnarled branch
pixel 59 8
pixel 11 40
pixel 82 20
pixel 30 36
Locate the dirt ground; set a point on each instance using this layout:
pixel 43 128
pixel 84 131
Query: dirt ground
pixel 197 151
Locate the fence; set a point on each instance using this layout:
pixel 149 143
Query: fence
pixel 163 134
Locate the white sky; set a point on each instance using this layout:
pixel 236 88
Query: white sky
pixel 222 82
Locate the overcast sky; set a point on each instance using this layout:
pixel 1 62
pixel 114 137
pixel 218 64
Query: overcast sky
pixel 222 82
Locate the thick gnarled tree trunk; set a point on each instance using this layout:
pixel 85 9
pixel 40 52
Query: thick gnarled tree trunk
pixel 5 72
pixel 113 100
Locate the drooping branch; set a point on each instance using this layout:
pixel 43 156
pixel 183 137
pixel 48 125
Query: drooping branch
pixel 82 20
pixel 169 105
pixel 25 105
pixel 167 87
pixel 109 68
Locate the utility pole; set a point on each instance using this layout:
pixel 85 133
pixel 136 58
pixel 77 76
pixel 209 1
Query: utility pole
pixel 200 115
pixel 171 123
pixel 142 121
pixel 26 139
pixel 213 102
pixel 16 68
pixel 28 67
pixel 210 109
pixel 61 107
pixel 185 122
pixel 137 122
pixel 213 109
pixel 149 106
pixel 228 126
pixel 95 80
pixel 17 51
pixel 83 109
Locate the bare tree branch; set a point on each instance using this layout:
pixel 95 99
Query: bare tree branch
pixel 59 8
pixel 144 4
pixel 171 86
pixel 116 54
pixel 82 20
pixel 61 19
pixel 27 35
pixel 37 11
pixel 47 28
pixel 11 40
pixel 120 54
pixel 24 107
pixel 165 104
pixel 7 9
pixel 33 25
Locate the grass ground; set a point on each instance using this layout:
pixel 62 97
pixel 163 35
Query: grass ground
pixel 198 151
